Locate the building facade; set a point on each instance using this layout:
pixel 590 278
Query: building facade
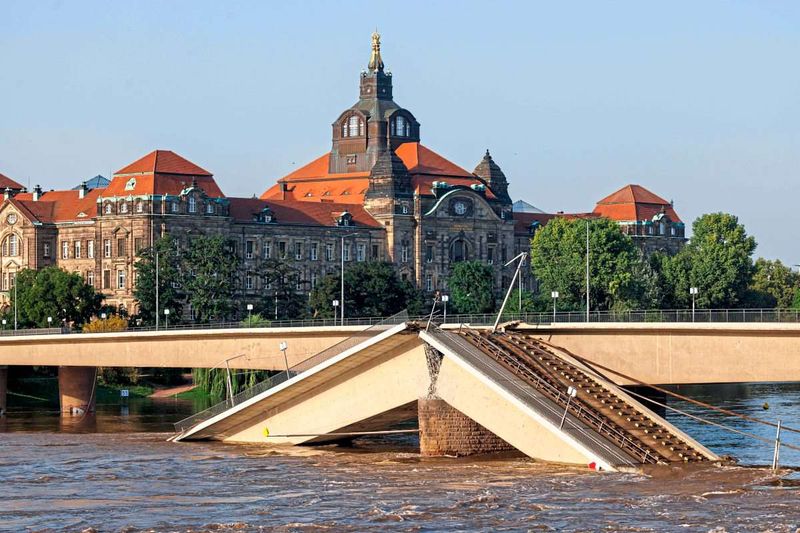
pixel 378 194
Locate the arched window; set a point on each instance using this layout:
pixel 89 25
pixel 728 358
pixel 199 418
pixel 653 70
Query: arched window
pixel 123 208
pixel 353 127
pixel 401 127
pixel 108 208
pixel 458 251
pixel 11 246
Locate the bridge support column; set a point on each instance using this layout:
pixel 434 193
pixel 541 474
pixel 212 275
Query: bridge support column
pixel 444 430
pixel 76 388
pixel 3 389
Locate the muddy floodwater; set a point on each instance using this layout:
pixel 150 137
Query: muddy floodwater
pixel 116 472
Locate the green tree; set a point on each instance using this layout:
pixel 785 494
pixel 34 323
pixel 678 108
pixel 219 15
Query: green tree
pixel 717 261
pixel 283 276
pixel 620 277
pixel 371 289
pixel 209 268
pixel 52 292
pixel 169 295
pixel 773 285
pixel 471 286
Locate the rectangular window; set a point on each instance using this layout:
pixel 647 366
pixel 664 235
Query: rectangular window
pixel 428 283
pixel 314 247
pixel 192 204
pixel 346 251
pixel 77 249
pixel 374 252
pixel 298 251
pixel 490 255
pixel 90 249
pixel 329 252
pixel 672 230
pixel 173 206
pixel 282 249
pixel 46 250
pixel 107 248
pixel 64 250
pixel 248 282
pixel 429 253
pixel 267 249
pixel 361 252
pixel 120 279
pixel 106 279
pixel 138 244
pixel 249 246
pixel 90 278
pixel 122 247
pixel 404 252
pixel 313 280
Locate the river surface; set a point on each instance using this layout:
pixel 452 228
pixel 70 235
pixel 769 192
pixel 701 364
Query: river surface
pixel 116 472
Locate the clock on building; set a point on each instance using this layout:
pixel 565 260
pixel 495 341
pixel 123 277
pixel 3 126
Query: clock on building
pixel 11 218
pixel 460 208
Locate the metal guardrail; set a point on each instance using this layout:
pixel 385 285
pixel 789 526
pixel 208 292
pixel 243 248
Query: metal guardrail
pixel 34 331
pixel 293 371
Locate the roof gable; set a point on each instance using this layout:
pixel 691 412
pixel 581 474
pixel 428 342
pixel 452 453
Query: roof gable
pixel 163 162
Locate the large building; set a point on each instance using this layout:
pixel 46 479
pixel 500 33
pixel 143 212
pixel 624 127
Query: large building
pixel 378 194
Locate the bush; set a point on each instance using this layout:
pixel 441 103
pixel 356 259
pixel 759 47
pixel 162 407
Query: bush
pixel 105 325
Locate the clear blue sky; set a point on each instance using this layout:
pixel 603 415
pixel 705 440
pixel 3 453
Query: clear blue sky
pixel 699 101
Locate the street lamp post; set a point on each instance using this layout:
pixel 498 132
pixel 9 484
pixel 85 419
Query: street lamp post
pixel 49 321
pixel 445 299
pixel 166 318
pixel 587 271
pixel 276 305
pixel 335 309
pixel 571 393
pixel 249 315
pixel 554 296
pixel 694 291
pixel 283 347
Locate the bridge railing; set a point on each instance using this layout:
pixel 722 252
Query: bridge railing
pixel 293 371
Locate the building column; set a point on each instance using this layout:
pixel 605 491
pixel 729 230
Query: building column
pixel 3 389
pixel 76 388
pixel 446 431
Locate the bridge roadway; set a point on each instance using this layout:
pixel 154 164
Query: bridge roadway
pixel 655 353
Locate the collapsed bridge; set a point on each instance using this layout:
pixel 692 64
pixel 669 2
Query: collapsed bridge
pixel 469 390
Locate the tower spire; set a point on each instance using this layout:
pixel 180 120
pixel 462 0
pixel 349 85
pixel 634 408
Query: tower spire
pixel 375 61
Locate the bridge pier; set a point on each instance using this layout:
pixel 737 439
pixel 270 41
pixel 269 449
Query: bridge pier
pixel 446 431
pixel 3 389
pixel 76 389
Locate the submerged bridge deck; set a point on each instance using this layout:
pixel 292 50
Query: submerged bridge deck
pixel 510 383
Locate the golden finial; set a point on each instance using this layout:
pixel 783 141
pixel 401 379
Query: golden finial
pixel 375 61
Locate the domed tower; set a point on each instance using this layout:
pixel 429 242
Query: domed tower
pixel 362 132
pixel 491 173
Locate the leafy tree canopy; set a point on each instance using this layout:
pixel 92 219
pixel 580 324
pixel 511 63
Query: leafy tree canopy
pixel 371 289
pixel 283 277
pixel 717 261
pixel 620 277
pixel 471 286
pixel 773 285
pixel 169 270
pixel 52 292
pixel 209 269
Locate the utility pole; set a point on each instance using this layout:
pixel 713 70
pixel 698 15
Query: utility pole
pixel 587 270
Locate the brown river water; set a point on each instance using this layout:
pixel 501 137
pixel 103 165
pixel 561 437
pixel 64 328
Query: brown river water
pixel 116 472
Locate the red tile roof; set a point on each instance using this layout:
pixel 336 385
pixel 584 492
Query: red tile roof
pixel 523 221
pixel 6 182
pixel 163 162
pixel 161 172
pixel 634 203
pixel 296 212
pixel 58 206
pixel 313 182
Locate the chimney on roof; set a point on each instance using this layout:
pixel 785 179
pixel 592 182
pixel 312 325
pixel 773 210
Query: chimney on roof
pixel 82 190
pixel 8 193
pixel 284 188
pixel 37 193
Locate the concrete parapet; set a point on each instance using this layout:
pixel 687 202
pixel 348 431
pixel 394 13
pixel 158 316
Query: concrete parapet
pixel 76 387
pixel 444 430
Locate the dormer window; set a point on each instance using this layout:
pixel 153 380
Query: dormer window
pixel 400 127
pixel 108 208
pixel 192 204
pixel 123 208
pixel 130 184
pixel 139 207
pixel 173 206
pixel 353 127
pixel 210 208
pixel 345 219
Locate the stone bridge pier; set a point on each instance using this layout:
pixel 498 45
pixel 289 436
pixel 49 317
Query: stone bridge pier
pixel 3 389
pixel 77 389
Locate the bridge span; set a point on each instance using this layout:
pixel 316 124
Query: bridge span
pixel 655 353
